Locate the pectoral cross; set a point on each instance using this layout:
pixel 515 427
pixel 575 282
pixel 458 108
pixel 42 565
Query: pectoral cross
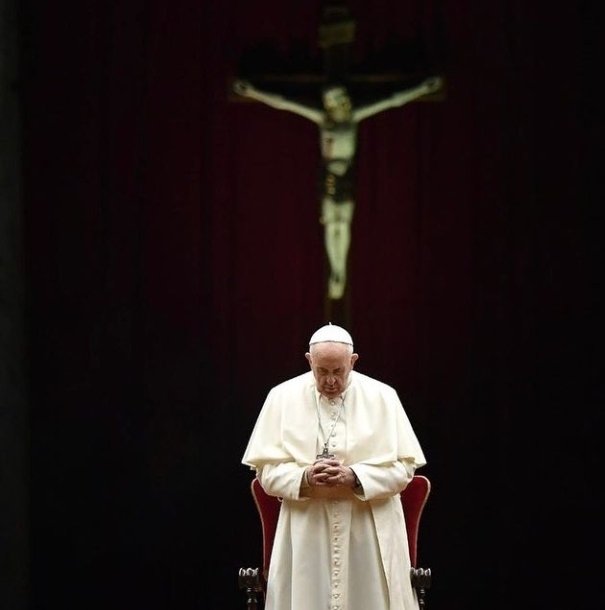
pixel 325 454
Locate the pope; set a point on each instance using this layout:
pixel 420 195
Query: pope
pixel 337 447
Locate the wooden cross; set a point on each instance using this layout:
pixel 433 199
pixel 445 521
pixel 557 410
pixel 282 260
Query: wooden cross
pixel 326 98
pixel 302 77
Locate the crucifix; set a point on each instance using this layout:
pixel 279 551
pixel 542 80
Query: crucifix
pixel 337 118
pixel 325 454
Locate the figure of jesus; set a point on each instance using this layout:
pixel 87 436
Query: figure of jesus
pixel 337 122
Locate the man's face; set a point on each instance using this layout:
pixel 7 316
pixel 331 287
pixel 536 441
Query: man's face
pixel 331 364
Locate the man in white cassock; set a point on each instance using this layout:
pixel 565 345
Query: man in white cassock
pixel 338 448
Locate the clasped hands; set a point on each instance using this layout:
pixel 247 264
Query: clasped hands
pixel 329 472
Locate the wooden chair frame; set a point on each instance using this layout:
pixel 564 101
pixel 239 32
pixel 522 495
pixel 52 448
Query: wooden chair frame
pixel 413 500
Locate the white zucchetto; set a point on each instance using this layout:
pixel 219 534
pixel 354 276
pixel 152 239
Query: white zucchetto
pixel 333 333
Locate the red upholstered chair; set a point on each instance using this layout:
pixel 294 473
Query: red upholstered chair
pixel 413 499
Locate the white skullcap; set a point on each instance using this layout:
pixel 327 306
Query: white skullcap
pixel 333 333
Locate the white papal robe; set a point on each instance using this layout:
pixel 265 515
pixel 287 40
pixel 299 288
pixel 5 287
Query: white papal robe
pixel 337 550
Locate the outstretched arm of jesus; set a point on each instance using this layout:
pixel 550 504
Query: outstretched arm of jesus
pixel 247 89
pixel 400 98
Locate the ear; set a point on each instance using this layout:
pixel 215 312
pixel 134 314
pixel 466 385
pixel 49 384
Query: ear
pixel 354 358
pixel 308 357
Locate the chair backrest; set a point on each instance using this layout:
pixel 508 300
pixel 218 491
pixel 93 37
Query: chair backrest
pixel 268 511
pixel 413 500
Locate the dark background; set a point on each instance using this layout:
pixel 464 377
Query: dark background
pixel 174 272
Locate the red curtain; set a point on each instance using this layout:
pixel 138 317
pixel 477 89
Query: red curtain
pixel 176 270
